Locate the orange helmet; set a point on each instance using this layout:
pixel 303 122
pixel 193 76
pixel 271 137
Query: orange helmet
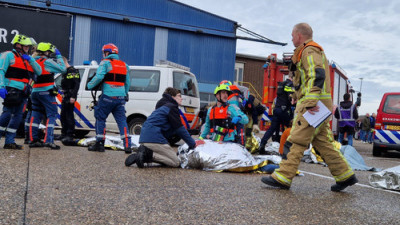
pixel 111 48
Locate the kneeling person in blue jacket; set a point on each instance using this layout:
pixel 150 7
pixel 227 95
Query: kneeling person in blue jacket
pixel 163 122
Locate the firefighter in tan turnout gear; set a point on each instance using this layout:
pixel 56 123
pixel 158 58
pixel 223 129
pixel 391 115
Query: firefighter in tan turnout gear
pixel 312 84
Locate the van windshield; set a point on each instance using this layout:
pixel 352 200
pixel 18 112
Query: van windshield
pixel 392 104
pixel 186 84
pixel 144 80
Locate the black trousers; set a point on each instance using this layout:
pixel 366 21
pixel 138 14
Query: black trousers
pixel 67 118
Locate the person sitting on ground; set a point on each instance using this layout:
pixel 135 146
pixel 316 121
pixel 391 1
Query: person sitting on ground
pixel 156 130
pixel 221 119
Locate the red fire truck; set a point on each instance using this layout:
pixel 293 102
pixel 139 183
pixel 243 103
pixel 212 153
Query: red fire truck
pixel 276 70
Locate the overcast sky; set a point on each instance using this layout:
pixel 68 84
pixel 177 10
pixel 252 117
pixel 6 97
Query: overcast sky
pixel 362 37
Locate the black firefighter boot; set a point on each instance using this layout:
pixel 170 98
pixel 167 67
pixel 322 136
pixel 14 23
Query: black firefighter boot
pixel 145 155
pixel 97 147
pixel 261 149
pixel 340 186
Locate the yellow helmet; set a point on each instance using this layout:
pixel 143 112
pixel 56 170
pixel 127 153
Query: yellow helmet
pixel 45 46
pixel 222 87
pixel 21 39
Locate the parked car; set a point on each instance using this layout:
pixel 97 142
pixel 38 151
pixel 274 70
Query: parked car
pixel 387 126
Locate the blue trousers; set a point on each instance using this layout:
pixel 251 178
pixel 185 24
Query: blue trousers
pixel 116 106
pixel 42 100
pixel 280 117
pixel 9 121
pixel 349 138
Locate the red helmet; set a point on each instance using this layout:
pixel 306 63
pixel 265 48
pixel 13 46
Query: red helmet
pixel 111 48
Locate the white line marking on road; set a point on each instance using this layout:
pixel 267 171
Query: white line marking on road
pixel 358 184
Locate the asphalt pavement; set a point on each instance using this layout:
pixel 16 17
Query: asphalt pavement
pixel 75 186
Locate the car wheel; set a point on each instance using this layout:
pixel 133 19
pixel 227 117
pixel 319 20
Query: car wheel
pixel 376 151
pixel 135 125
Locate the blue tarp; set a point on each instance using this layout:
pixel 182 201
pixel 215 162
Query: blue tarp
pixel 355 159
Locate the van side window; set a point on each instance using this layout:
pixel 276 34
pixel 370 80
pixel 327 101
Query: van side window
pixel 392 104
pixel 144 80
pixel 185 83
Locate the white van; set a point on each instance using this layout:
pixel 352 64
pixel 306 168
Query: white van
pixel 147 86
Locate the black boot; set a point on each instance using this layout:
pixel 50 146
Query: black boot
pixel 274 183
pixel 52 146
pixel 340 186
pixel 145 155
pixel 13 146
pixel 130 160
pixel 97 147
pixel 36 144
pixel 261 149
pixel 128 150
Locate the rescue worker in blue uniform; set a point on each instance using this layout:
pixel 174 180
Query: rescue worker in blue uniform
pixel 113 75
pixel 221 119
pixel 347 115
pixel 43 95
pixel 17 68
pixel 70 85
pixel 282 111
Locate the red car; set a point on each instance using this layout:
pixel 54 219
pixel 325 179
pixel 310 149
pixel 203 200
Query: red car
pixel 387 126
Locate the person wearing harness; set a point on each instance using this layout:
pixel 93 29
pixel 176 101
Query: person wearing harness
pixel 43 95
pixel 70 86
pixel 17 68
pixel 312 84
pixel 113 76
pixel 159 126
pixel 236 98
pixel 347 115
pixel 221 119
pixel 282 111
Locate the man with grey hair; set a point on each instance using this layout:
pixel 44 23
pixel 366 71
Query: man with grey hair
pixel 312 84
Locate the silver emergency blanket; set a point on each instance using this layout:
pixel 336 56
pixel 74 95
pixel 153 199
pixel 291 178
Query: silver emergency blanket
pixel 217 156
pixel 387 179
pixel 113 142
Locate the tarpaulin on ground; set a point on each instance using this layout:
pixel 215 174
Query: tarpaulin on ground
pixel 113 142
pixel 355 160
pixel 216 156
pixel 387 179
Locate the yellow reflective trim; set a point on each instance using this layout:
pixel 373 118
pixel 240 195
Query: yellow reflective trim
pixel 288 89
pixel 282 178
pixel 311 72
pixel 344 176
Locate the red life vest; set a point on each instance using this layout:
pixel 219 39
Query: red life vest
pixel 46 78
pixel 117 75
pixel 20 70
pixel 219 117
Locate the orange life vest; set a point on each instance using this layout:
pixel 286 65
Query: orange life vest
pixel 46 78
pixel 219 117
pixel 117 75
pixel 20 70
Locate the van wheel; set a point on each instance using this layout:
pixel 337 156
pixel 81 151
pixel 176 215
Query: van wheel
pixel 81 133
pixel 135 125
pixel 376 151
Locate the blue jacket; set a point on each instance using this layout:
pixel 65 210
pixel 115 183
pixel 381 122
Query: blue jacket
pixel 109 90
pixel 233 111
pixel 52 66
pixel 7 59
pixel 163 122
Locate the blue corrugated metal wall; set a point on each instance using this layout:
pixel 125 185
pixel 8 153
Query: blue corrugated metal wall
pixel 152 12
pixel 211 58
pixel 135 41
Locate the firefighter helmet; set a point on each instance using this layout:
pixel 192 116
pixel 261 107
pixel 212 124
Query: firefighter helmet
pixel 46 46
pixel 222 87
pixel 21 39
pixel 111 48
